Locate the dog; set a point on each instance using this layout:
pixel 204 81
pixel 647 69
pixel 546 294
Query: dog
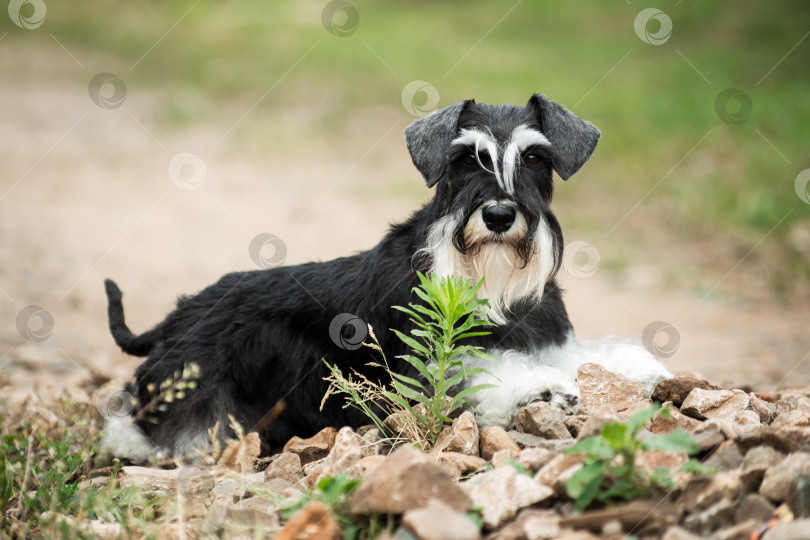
pixel 261 337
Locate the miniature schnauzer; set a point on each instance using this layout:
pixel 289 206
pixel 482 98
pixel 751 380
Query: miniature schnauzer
pixel 261 337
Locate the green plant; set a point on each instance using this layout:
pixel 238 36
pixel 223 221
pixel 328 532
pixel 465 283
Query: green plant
pixel 609 471
pixel 451 313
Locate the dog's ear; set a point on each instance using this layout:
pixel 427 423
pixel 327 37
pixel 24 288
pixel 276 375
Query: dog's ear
pixel 572 138
pixel 429 140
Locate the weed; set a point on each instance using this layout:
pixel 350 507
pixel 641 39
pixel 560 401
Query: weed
pixel 609 471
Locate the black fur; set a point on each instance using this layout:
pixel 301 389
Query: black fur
pixel 261 337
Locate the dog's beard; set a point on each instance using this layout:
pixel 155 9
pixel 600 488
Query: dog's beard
pixel 508 277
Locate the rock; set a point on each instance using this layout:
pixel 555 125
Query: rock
pixel 656 459
pixel 574 424
pixel 754 506
pixel 740 531
pixel 461 436
pixel 707 520
pixel 348 450
pixel 228 491
pixel 776 483
pixel 286 466
pixel 677 388
pixel 787 439
pixel 704 491
pixel 756 462
pixel 527 440
pixel 765 410
pixel 214 521
pixel 504 457
pixel 93 528
pixel 530 524
pixel 562 466
pixel 640 516
pixel 241 455
pixel 792 418
pixel 659 424
pixel 493 439
pixel 251 515
pixel 534 458
pixel 798 497
pixel 316 447
pixel 148 479
pixel 708 435
pixel 789 530
pixel 437 521
pixel 702 404
pixel 600 388
pixel 369 463
pixel 404 481
pixel 725 457
pixel 195 484
pixel 315 521
pixel 596 421
pixel 543 419
pixel 457 465
pixel 679 533
pixel 502 492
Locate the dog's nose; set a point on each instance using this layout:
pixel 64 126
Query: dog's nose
pixel 499 217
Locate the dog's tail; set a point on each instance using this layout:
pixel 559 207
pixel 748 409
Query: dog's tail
pixel 136 345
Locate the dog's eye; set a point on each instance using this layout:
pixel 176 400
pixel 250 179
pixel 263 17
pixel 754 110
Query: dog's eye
pixel 531 159
pixel 469 159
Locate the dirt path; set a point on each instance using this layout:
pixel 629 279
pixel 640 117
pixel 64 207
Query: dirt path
pixel 85 194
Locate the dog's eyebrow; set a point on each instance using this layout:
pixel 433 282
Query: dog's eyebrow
pixel 522 137
pixel 475 138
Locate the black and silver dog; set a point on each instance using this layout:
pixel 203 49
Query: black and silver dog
pixel 261 337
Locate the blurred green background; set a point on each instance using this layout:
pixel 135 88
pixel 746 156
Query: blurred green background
pixel 666 157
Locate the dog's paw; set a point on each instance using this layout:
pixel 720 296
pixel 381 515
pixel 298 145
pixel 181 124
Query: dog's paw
pixel 569 403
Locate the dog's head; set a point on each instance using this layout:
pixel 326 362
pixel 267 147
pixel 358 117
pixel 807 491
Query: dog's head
pixel 492 165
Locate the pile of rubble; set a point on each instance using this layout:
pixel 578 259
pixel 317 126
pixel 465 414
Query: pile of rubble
pixel 511 485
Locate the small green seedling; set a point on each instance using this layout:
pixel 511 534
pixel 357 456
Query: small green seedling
pixel 609 471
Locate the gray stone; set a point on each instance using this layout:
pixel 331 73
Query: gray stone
pixel 704 491
pixel 677 388
pixel 754 506
pixel 756 461
pixel 789 530
pixel 457 465
pixel 600 388
pixel 740 531
pixel 679 533
pixel 708 435
pixel 407 479
pixel 765 410
pixel 502 492
pixel 534 458
pixel 461 436
pixel 797 417
pixel 707 520
pixel 725 457
pixel 776 483
pixel 437 521
pixel 702 404
pixel 286 466
pixel 798 497
pixel 527 440
pixel 543 419
pixel 493 439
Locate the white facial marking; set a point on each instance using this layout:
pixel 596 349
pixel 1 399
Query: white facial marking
pixel 522 138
